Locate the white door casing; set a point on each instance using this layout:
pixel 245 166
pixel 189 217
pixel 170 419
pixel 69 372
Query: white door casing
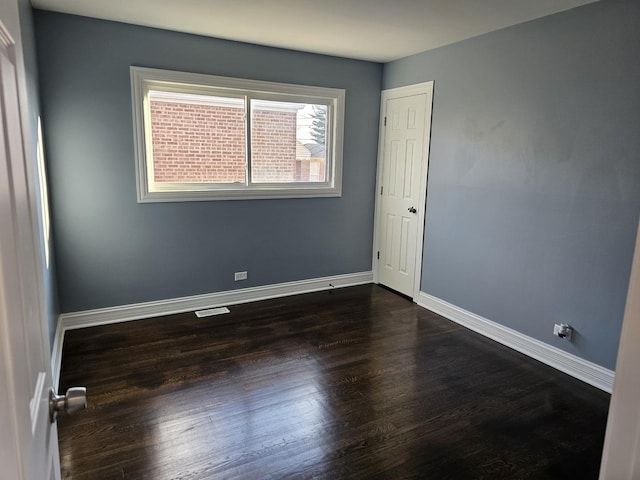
pixel 29 441
pixel 405 127
pixel 621 453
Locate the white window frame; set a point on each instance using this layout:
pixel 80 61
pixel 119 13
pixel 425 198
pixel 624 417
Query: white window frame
pixel 145 79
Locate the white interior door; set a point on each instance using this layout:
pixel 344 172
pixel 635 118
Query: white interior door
pixel 28 440
pixel 400 205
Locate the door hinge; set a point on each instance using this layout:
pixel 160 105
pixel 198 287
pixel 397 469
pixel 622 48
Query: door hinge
pixel 378 255
pixel 385 121
pixel 381 189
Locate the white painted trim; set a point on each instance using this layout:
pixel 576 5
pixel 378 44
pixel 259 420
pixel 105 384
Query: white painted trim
pixel 193 99
pixel 392 93
pixel 577 367
pixel 124 313
pixel 376 205
pixel 621 453
pixel 56 353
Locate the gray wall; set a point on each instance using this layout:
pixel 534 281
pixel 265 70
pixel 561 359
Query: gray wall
pixel 534 175
pixel 31 72
pixel 111 250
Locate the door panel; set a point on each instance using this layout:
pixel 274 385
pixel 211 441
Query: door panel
pixel 403 166
pixel 405 230
pixel 388 243
pixel 408 176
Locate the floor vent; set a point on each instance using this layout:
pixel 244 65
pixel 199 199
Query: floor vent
pixel 211 311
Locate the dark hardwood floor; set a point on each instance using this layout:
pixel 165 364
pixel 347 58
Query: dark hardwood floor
pixel 353 383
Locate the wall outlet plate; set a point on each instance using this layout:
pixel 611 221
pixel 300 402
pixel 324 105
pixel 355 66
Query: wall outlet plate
pixel 563 331
pixel 239 276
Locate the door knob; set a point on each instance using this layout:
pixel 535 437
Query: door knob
pixel 73 401
pixel 412 209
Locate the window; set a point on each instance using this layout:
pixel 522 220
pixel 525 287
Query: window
pixel 203 137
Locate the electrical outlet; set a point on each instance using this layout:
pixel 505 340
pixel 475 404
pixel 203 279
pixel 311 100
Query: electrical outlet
pixel 239 276
pixel 563 331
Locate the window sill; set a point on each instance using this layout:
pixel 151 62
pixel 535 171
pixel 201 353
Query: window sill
pixel 239 194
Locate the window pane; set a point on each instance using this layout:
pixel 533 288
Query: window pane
pixel 197 138
pixel 288 142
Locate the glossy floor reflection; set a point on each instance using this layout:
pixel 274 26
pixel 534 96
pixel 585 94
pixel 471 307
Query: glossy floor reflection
pixel 352 383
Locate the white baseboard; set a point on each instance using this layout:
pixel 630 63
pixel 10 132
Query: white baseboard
pixel 577 367
pixel 138 311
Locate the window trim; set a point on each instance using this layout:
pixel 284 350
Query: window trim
pixel 144 79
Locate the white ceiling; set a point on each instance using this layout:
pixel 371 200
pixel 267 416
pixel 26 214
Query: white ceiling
pixel 376 30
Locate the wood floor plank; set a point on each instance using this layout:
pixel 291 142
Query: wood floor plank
pixel 353 383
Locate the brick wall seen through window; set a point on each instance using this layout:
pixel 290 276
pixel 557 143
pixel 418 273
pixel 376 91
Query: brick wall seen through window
pixel 197 143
